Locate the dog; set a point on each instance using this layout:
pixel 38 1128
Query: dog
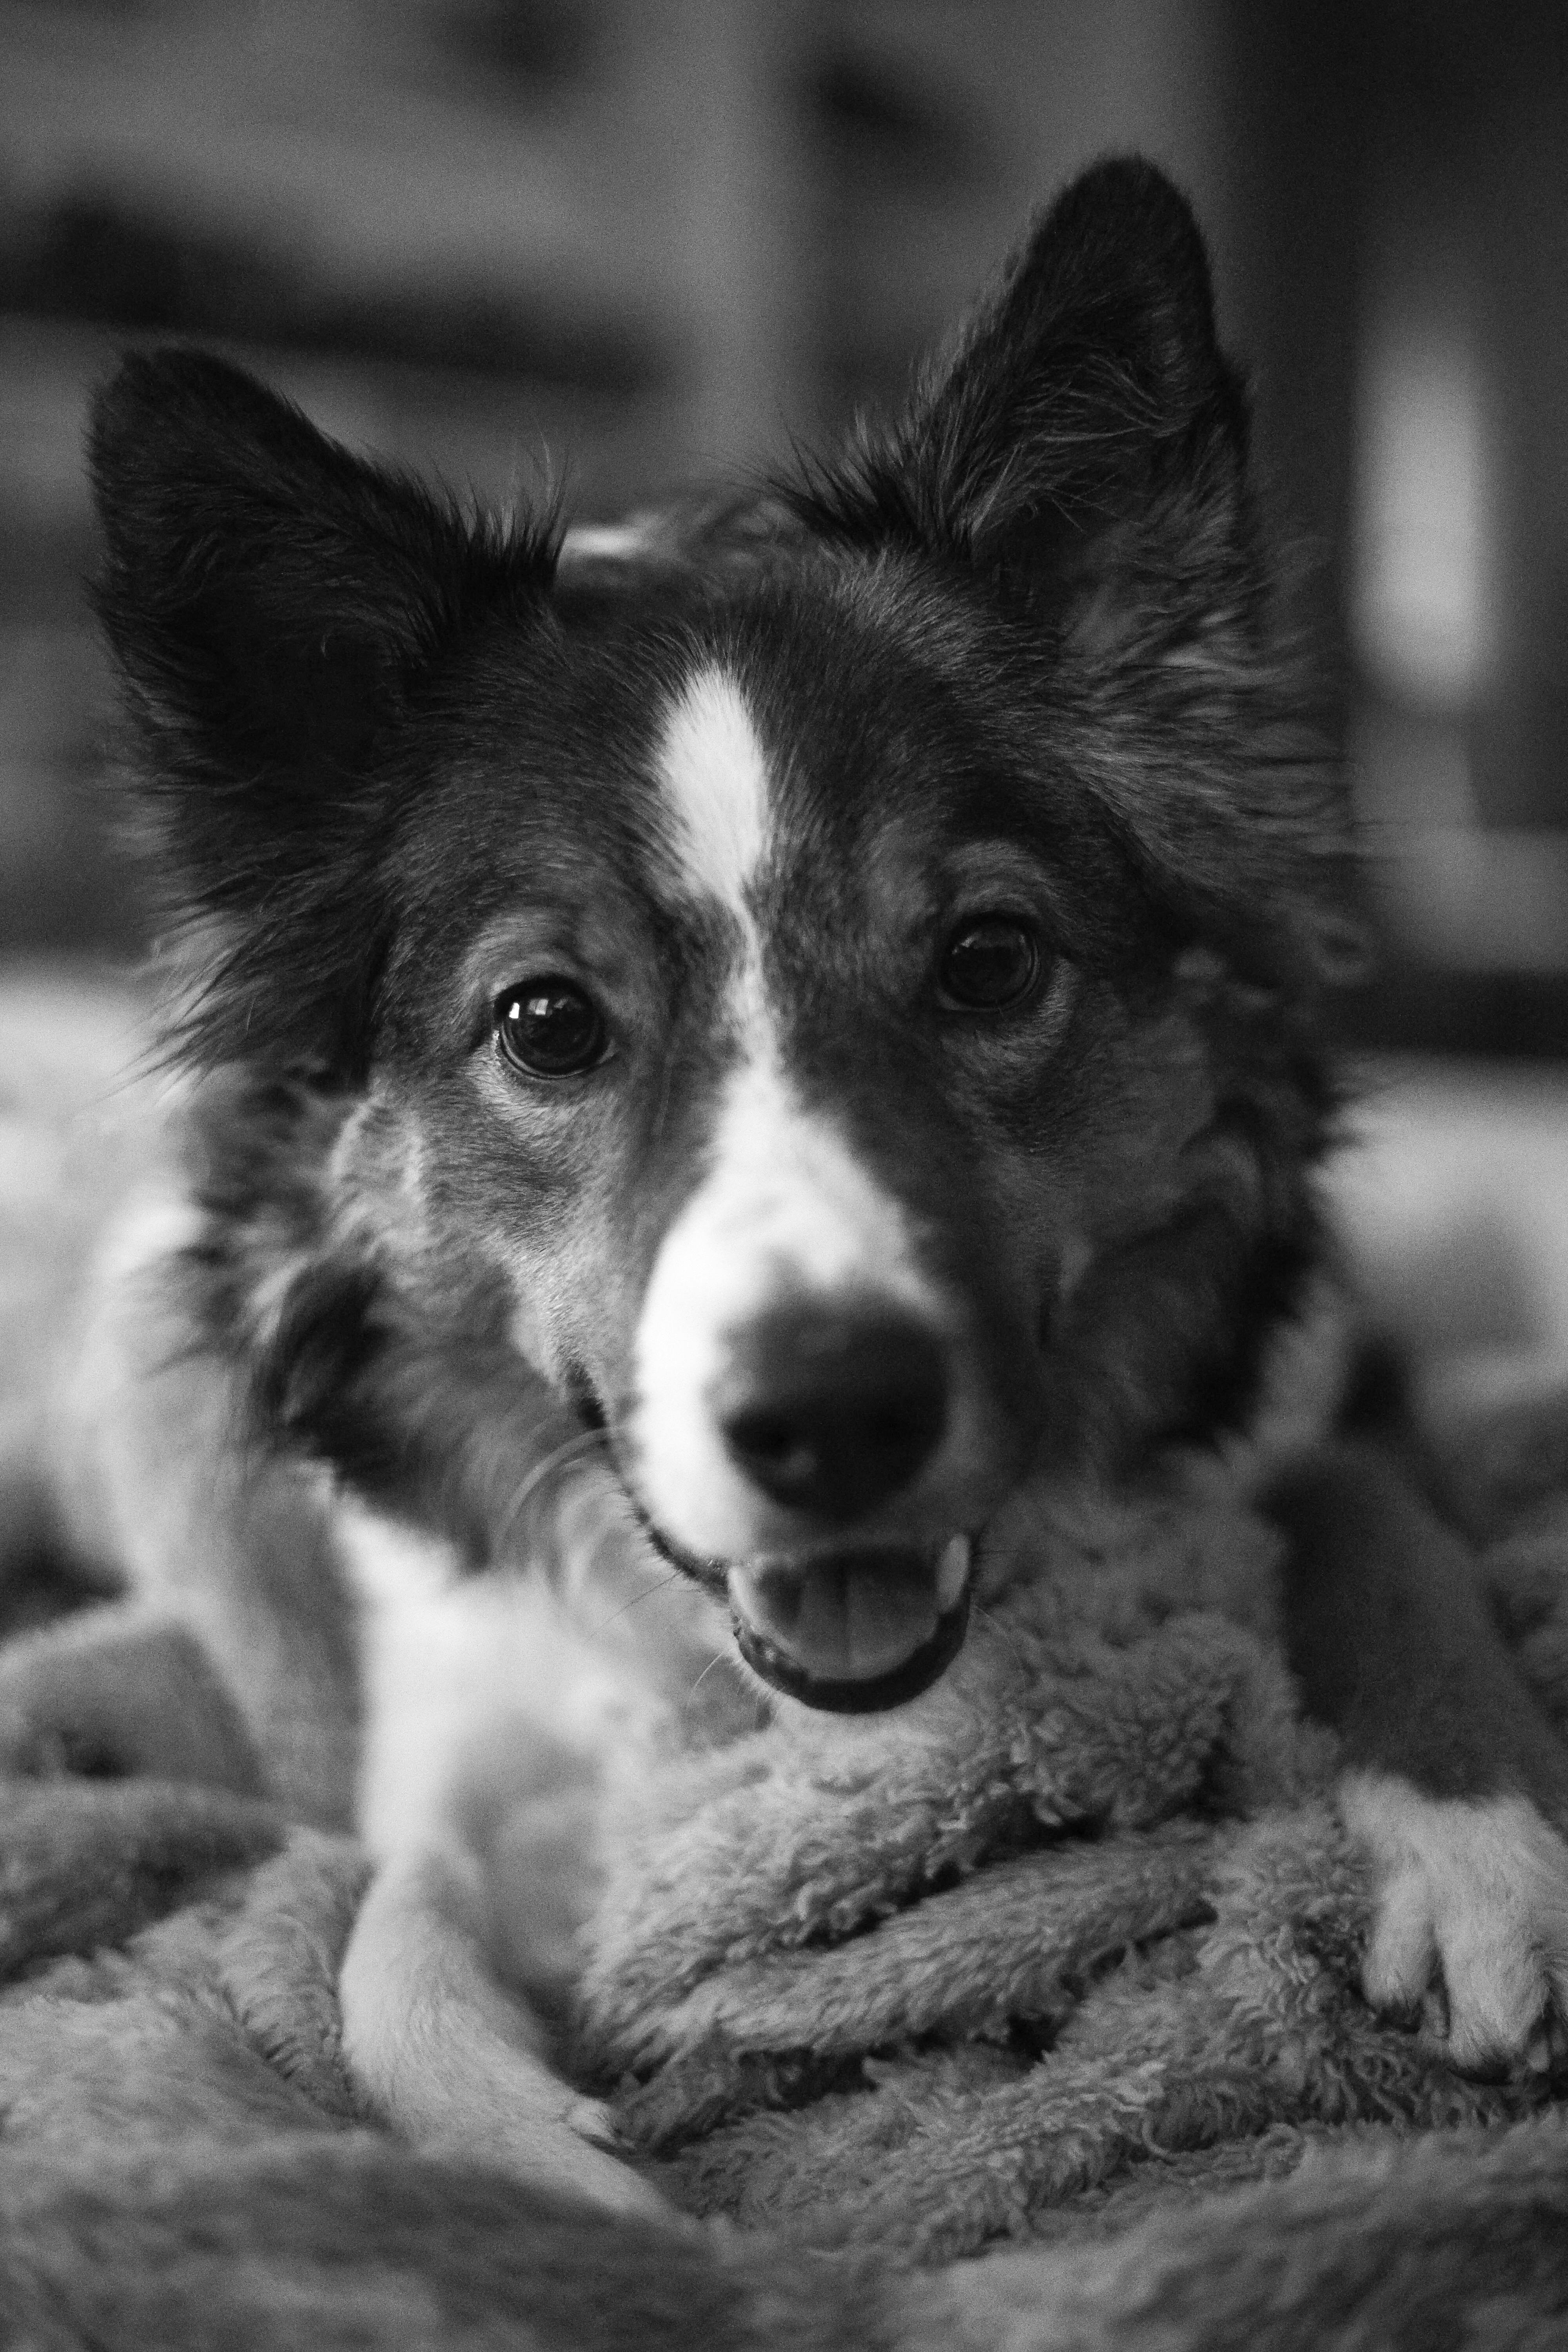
pixel 808 1008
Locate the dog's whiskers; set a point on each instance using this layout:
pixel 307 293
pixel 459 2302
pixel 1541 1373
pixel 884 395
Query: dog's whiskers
pixel 717 1659
pixel 571 1450
pixel 994 1625
pixel 663 1584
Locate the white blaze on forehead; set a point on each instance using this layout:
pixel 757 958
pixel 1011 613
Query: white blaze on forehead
pixel 715 782
pixel 786 1213
pixel 605 543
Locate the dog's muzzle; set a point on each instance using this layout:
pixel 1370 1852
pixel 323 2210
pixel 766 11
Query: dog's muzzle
pixel 854 1630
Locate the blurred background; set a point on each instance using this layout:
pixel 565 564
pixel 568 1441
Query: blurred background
pixel 631 240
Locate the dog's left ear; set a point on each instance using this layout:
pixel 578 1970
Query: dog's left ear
pixel 1085 396
pixel 1081 453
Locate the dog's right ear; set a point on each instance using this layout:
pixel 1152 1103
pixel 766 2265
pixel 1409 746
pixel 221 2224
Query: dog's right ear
pixel 273 601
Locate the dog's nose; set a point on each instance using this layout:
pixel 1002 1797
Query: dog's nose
pixel 830 1415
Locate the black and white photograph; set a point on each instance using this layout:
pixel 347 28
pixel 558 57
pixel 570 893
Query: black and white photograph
pixel 783 1176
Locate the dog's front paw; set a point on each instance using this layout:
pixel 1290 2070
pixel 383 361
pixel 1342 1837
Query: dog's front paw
pixel 1471 1920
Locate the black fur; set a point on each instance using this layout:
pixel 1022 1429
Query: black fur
pixel 1080 455
pixel 364 721
pixel 275 605
pixel 1090 393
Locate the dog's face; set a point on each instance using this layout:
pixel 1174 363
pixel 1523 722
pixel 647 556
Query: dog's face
pixel 786 1055
pixel 821 983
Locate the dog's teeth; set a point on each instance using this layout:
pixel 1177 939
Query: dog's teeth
pixel 951 1573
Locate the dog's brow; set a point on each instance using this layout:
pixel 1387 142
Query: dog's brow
pixel 714 777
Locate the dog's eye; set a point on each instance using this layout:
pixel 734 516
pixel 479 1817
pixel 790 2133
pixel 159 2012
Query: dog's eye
pixel 549 1028
pixel 990 961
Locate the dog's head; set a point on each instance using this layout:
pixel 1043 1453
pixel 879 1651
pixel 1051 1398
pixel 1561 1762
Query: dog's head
pixel 824 981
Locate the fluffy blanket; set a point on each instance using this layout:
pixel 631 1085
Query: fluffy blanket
pixel 1081 1922
pixel 1025 2020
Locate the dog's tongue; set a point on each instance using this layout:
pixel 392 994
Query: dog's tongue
pixel 845 1623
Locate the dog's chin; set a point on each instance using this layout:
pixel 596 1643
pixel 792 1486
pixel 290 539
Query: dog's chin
pixel 856 1631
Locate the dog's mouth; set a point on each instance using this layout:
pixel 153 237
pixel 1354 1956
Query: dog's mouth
pixel 853 1631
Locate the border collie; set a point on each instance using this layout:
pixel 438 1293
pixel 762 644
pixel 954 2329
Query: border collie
pixel 816 995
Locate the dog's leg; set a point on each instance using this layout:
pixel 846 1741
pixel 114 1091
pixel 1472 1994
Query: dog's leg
pixel 452 2061
pixel 1454 1780
pixel 210 1530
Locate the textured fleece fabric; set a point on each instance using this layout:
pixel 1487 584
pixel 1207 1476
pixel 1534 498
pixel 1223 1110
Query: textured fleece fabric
pixel 1027 2021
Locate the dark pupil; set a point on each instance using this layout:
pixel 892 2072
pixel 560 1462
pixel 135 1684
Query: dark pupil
pixel 990 961
pixel 549 1026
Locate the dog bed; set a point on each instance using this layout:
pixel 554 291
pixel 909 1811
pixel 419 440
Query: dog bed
pixel 1040 2030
